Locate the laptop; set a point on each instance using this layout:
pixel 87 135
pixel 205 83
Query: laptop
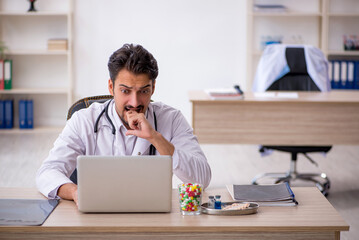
pixel 124 184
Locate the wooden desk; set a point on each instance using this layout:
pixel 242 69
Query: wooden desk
pixel 313 218
pixel 314 118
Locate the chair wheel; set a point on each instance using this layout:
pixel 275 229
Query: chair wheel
pixel 325 189
pixel 326 185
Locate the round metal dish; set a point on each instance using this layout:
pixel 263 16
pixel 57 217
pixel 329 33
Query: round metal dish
pixel 253 208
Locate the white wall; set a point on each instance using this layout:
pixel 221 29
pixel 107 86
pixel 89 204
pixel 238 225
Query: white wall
pixel 198 44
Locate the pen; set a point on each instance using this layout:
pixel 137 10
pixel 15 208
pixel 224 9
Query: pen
pixel 239 90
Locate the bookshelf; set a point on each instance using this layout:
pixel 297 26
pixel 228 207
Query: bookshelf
pixel 46 76
pixel 321 23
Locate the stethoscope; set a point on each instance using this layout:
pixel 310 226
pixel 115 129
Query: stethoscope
pixel 105 111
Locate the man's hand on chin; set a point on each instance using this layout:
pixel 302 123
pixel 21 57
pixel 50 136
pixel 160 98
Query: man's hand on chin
pixel 139 126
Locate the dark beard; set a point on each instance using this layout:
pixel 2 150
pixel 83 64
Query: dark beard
pixel 125 123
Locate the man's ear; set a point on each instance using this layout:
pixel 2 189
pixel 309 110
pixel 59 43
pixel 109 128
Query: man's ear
pixel 153 86
pixel 110 86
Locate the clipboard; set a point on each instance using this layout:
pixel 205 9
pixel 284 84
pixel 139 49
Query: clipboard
pixel 25 212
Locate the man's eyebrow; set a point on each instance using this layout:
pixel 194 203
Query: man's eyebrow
pixel 146 86
pixel 123 85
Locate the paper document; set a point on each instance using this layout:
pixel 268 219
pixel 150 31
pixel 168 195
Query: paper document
pixel 292 95
pixel 287 95
pixel 264 94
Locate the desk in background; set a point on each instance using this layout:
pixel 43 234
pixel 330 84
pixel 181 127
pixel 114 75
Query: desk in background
pixel 314 118
pixel 314 218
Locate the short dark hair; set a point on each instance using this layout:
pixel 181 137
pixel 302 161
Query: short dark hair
pixel 133 58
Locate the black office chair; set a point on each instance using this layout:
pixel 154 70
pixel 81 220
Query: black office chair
pixel 80 104
pixel 297 79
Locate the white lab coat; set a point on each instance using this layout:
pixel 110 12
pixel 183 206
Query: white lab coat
pixel 78 138
pixel 273 65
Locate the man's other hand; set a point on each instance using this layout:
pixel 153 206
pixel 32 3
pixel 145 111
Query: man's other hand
pixel 68 191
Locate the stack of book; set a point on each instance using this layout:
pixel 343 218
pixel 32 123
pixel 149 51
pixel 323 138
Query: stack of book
pixel 265 195
pixel 57 44
pixel 269 8
pixel 224 94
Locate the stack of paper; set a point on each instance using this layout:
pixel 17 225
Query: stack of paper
pixel 265 195
pixel 223 94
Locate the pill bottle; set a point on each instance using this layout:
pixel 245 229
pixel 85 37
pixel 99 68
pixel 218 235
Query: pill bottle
pixel 211 201
pixel 218 203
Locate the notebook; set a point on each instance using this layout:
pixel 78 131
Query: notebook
pixel 124 184
pixel 265 195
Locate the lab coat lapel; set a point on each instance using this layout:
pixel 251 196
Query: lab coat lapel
pixel 142 145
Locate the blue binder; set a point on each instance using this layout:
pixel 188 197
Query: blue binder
pixel 2 114
pixel 343 74
pixel 336 82
pixel 356 75
pixel 331 75
pixel 348 79
pixel 350 75
pixel 30 113
pixel 22 114
pixel 9 113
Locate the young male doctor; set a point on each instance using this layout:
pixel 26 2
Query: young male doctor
pixel 127 125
